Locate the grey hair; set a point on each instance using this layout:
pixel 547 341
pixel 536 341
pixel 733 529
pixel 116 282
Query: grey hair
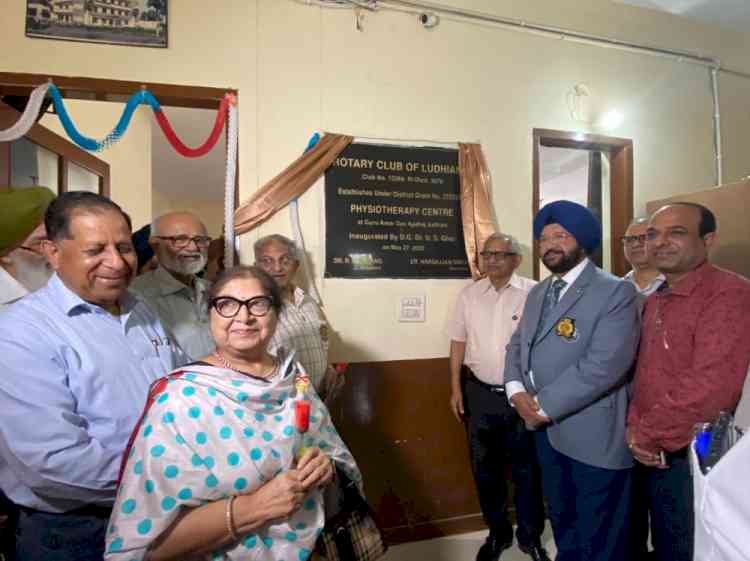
pixel 278 238
pixel 515 247
pixel 155 221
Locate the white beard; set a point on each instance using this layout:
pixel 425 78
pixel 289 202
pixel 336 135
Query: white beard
pixel 175 265
pixel 32 273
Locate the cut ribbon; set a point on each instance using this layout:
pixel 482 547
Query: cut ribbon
pixel 29 116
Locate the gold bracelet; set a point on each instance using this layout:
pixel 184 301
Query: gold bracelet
pixel 229 517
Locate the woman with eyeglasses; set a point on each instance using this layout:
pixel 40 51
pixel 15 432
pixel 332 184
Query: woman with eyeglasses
pixel 232 453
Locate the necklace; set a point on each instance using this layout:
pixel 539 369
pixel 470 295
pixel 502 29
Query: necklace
pixel 228 365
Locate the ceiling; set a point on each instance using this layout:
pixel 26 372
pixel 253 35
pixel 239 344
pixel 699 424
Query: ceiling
pixel 175 176
pixel 733 14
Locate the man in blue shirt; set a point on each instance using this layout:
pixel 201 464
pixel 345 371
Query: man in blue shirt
pixel 77 357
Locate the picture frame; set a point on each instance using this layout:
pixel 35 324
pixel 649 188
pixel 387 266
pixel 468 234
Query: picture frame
pixel 138 23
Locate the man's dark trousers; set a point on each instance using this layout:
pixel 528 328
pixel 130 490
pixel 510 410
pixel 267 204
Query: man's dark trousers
pixel 497 437
pixel 670 498
pixel 73 536
pixel 589 507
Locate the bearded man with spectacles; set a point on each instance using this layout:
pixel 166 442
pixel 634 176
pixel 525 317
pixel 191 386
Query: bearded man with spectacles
pixel 23 267
pixel 174 290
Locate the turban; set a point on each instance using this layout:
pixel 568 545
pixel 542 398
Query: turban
pixel 575 218
pixel 21 210
pixel 143 249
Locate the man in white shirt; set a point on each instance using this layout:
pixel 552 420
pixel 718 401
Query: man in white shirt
pixel 486 315
pixel 173 290
pixel 23 267
pixel 302 327
pixel 645 277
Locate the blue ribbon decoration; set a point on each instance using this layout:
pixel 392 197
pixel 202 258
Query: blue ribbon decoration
pixel 93 145
pixel 313 141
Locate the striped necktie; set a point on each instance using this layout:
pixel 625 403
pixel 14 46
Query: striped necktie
pixel 550 301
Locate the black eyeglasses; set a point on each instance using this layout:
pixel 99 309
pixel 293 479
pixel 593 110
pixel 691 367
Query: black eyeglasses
pixel 228 307
pixel 180 242
pixel 630 240
pixel 497 255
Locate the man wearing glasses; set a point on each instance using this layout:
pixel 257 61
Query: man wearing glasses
pixel 302 326
pixel 566 371
pixel 486 315
pixel 173 290
pixel 23 268
pixel 692 362
pixel 645 277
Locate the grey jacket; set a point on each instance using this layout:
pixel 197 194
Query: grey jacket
pixel 580 363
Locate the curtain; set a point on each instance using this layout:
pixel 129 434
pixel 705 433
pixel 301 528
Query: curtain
pixel 476 212
pixel 474 177
pixel 297 178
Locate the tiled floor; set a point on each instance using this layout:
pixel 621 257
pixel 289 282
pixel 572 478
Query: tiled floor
pixel 461 547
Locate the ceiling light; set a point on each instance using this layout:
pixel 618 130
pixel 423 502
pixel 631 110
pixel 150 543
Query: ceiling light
pixel 611 120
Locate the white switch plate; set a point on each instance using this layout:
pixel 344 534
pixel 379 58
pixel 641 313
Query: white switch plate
pixel 411 308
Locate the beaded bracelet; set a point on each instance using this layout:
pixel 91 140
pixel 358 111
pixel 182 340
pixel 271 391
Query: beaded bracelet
pixel 229 517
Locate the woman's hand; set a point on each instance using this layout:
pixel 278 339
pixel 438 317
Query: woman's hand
pixel 315 469
pixel 277 499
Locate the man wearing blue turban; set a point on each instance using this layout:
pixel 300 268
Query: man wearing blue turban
pixel 565 372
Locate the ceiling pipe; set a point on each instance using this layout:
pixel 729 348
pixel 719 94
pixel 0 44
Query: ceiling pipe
pixel 713 64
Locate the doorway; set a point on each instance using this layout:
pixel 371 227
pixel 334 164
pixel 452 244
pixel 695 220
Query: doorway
pixel 595 171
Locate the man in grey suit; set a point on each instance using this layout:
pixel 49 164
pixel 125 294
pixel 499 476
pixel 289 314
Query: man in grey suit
pixel 565 372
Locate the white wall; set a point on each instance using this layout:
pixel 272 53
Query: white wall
pixel 300 68
pixel 129 159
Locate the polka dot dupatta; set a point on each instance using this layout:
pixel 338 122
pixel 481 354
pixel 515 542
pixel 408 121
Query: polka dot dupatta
pixel 211 433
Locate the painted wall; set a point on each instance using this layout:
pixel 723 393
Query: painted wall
pixel 300 68
pixel 211 212
pixel 129 159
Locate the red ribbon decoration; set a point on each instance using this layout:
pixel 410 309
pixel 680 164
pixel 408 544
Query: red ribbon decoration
pixel 302 415
pixel 211 141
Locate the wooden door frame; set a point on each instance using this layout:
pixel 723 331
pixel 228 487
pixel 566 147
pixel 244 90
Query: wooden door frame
pixel 66 152
pixel 99 89
pixel 620 152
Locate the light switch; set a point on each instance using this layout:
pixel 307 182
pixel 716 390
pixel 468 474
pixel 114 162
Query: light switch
pixel 411 308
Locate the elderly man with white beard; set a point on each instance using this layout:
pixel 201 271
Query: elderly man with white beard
pixel 173 290
pixel 23 267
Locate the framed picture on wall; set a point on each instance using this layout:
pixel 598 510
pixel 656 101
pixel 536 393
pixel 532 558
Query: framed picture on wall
pixel 140 23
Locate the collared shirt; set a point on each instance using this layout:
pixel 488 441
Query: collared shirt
pixel 514 387
pixel 484 319
pixel 302 328
pixel 693 358
pixel 10 289
pixel 74 382
pixel 183 310
pixel 647 290
pixel 572 276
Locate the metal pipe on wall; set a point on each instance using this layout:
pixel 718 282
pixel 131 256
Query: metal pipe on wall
pixel 714 64
pixel 717 126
